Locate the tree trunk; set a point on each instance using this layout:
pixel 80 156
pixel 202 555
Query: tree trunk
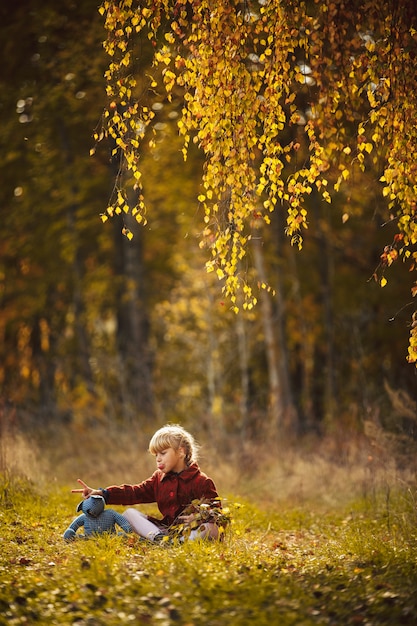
pixel 244 376
pixel 304 357
pixel 44 364
pixel 135 360
pixel 82 367
pixel 283 417
pixel 326 274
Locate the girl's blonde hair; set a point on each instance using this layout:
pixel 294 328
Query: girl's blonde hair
pixel 176 437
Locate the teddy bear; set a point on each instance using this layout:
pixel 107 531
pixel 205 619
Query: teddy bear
pixel 96 519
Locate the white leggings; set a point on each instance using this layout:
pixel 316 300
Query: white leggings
pixel 145 528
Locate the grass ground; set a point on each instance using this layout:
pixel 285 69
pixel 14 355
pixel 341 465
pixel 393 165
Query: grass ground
pixel 287 564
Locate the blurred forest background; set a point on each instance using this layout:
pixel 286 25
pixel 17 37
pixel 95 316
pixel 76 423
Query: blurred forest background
pixel 102 334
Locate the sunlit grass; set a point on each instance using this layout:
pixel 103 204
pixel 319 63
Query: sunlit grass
pixel 295 566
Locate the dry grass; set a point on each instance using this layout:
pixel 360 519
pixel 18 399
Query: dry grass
pixel 326 473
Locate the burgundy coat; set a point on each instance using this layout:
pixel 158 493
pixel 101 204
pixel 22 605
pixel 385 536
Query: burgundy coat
pixel 172 492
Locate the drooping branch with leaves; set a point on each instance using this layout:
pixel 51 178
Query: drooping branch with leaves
pixel 285 99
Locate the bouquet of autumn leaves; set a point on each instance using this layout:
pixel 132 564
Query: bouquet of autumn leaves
pixel 197 513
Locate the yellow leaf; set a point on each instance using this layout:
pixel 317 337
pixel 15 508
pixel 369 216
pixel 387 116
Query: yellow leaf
pixel 383 281
pixel 127 233
pixel 220 273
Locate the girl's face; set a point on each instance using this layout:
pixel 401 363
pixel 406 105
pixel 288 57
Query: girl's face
pixel 170 460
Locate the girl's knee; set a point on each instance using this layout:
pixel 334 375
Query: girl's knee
pixel 140 523
pixel 127 511
pixel 130 514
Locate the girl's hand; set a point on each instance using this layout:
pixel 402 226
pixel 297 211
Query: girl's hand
pixel 86 490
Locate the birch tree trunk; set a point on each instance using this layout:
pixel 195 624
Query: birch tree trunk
pixel 283 418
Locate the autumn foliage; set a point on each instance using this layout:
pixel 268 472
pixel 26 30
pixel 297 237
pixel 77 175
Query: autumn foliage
pixel 285 99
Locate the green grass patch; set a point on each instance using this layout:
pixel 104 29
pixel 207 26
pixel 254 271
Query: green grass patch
pixel 296 566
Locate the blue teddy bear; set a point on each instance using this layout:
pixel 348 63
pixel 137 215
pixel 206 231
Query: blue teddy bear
pixel 96 519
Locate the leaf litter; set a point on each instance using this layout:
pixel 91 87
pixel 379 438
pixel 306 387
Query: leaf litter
pixel 294 567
